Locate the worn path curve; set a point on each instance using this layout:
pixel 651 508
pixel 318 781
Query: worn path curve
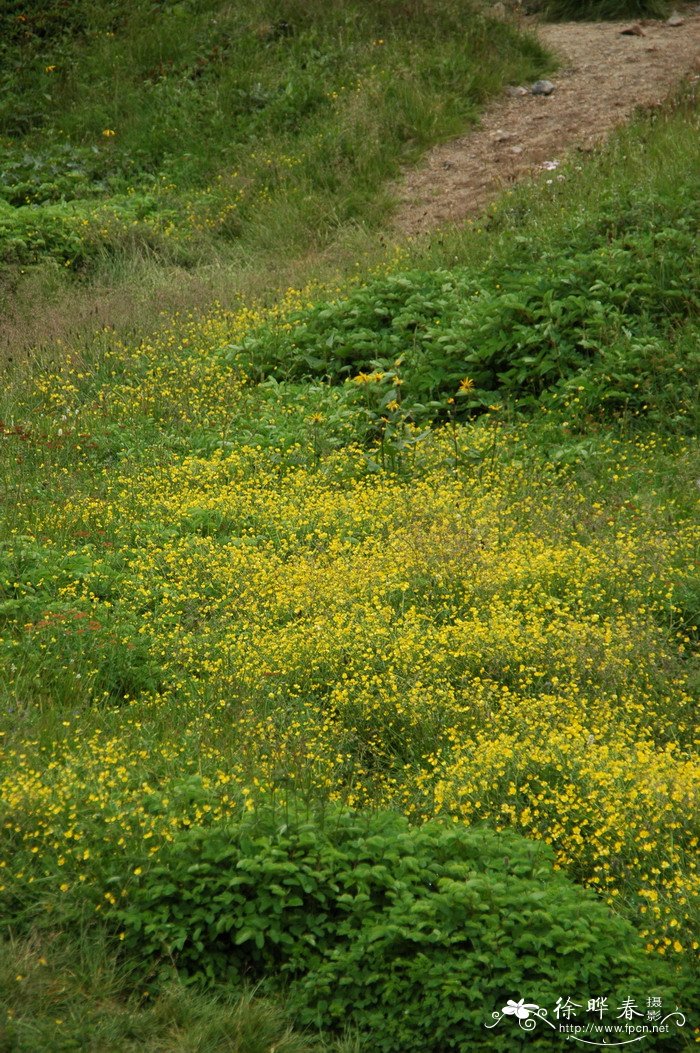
pixel 604 77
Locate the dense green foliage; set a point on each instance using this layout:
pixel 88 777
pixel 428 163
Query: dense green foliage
pixel 412 933
pixel 606 323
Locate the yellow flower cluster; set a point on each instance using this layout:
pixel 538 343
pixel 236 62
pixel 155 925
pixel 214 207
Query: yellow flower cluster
pixel 479 640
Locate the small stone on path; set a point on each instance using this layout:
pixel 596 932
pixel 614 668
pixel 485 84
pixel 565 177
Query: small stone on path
pixel 675 20
pixel 633 31
pixel 603 78
pixel 543 87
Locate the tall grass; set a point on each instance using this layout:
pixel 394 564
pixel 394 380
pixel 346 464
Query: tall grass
pixel 61 994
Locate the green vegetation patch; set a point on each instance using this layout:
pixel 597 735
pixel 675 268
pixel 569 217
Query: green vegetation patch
pixel 412 935
pixel 607 322
pixel 63 994
pixel 175 128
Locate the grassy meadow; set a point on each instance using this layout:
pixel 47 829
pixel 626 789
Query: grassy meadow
pixel 149 144
pixel 348 616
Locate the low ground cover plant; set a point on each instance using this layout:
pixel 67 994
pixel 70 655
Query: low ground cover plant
pixel 521 653
pixel 603 324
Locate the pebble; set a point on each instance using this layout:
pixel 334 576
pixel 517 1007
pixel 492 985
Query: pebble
pixel 632 31
pixel 675 20
pixel 543 87
pixel 502 137
pixel 516 93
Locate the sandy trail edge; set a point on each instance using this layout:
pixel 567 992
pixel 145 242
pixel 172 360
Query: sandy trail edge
pixel 604 78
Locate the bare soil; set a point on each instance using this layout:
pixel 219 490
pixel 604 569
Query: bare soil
pixel 604 77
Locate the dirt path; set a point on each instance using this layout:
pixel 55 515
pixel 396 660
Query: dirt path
pixel 604 77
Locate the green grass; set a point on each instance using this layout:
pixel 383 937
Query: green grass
pixel 179 130
pixel 61 995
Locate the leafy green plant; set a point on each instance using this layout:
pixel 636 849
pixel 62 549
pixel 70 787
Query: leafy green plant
pixel 602 317
pixel 410 934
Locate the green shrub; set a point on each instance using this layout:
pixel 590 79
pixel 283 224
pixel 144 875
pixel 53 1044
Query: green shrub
pixel 594 10
pixel 411 935
pixel 596 317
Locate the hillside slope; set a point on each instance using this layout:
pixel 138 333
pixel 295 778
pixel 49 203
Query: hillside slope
pixel 349 633
pixel 177 129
